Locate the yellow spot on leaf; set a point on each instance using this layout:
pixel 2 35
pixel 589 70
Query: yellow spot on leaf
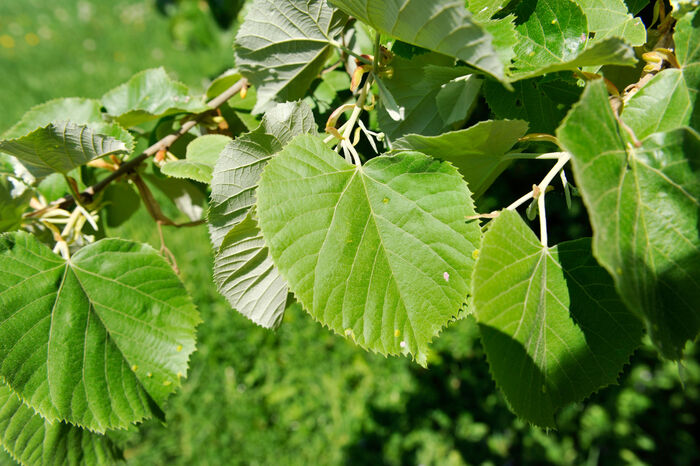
pixel 179 348
pixel 475 254
pixel 179 374
pixel 397 332
pixel 166 382
pixel 134 367
pixel 554 21
pixel 148 374
pixel 385 200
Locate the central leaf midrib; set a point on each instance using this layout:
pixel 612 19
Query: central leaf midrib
pixel 93 310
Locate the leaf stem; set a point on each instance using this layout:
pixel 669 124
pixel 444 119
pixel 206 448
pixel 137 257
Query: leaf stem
pixel 532 156
pixel 539 191
pixel 377 52
pixel 364 60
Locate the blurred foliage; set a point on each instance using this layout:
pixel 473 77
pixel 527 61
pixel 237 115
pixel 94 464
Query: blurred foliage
pixel 302 395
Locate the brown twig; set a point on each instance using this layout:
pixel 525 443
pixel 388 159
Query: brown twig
pixel 128 167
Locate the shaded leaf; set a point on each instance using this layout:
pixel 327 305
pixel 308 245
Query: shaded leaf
pixel 12 204
pixel 476 151
pixel 31 439
pixel 643 203
pixel 282 46
pixel 415 88
pixel 202 154
pixel 61 147
pixel 238 169
pixel 100 340
pixel 552 326
pixel 121 202
pixel 542 102
pixel 443 26
pixel 149 95
pixel 246 276
pixel 380 253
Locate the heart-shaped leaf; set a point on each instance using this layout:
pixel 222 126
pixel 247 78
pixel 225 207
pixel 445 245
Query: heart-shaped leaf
pixel 553 328
pixel 100 340
pixel 381 253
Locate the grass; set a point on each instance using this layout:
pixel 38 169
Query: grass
pixel 66 48
pixel 303 395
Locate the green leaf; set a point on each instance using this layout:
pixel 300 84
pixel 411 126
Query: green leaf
pixel 456 97
pixel 78 110
pixel 282 46
pixel 149 95
pixel 542 101
pixel 554 37
pixel 443 26
pixel 31 439
pixel 246 276
pixel 476 151
pixel 121 201
pixel 61 147
pixel 238 169
pixel 381 253
pixel 610 18
pixel 643 205
pixel 202 154
pixel 419 88
pixel 12 204
pixel 680 8
pixel 668 101
pixel 552 326
pixel 99 341
pixel 635 6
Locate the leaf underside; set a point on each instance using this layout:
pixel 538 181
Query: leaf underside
pixel 282 46
pixel 61 147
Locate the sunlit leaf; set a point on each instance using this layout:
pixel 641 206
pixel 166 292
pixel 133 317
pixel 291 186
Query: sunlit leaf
pixel 443 26
pixel 202 154
pixel 246 276
pixel 61 147
pixel 100 340
pixel 149 95
pixel 31 439
pixel 282 46
pixel 380 253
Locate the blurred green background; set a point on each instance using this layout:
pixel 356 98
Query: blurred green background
pixel 302 395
